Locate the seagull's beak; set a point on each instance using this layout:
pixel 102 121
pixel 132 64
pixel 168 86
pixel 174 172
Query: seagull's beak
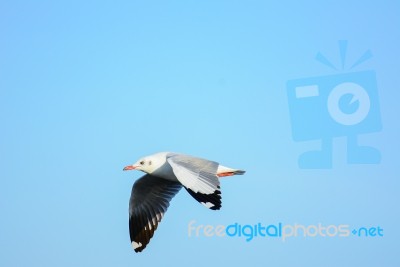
pixel 129 168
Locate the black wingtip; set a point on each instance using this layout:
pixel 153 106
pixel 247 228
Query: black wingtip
pixel 216 207
pixel 138 246
pixel 211 201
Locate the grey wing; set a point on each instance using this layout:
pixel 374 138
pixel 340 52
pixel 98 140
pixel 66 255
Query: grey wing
pixel 149 201
pixel 199 177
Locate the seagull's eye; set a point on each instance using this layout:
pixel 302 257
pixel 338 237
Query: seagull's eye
pixel 142 162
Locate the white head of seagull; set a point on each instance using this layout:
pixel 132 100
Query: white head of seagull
pixel 148 164
pixel 166 174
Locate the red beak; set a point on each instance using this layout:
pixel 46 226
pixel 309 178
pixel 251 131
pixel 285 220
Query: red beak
pixel 129 168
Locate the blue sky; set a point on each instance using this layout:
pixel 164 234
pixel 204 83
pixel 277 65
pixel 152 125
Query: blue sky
pixel 87 88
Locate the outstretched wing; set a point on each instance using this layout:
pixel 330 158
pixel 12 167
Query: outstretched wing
pixel 149 201
pixel 199 177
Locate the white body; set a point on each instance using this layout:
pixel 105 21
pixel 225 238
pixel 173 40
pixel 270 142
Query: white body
pixel 159 167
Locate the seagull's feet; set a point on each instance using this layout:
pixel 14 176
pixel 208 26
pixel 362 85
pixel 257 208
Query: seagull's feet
pixel 235 172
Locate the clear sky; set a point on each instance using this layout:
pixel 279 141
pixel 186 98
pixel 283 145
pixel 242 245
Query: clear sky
pixel 88 87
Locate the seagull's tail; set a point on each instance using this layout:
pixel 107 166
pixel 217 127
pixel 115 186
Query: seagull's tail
pixel 225 171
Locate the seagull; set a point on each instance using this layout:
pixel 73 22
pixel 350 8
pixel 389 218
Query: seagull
pixel 166 174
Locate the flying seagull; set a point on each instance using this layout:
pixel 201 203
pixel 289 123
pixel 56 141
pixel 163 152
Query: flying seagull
pixel 166 173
